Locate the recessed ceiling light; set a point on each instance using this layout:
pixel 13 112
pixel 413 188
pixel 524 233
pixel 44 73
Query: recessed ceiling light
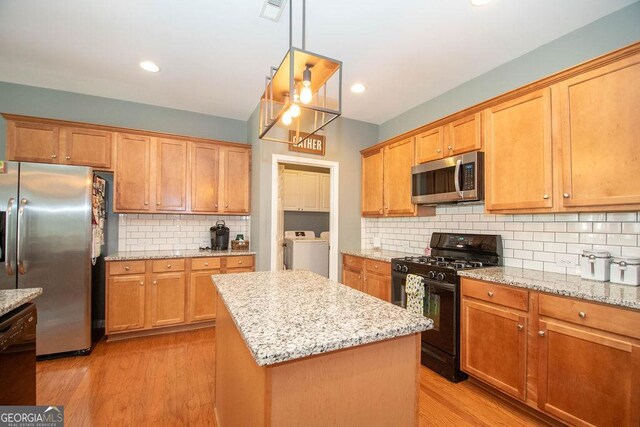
pixel 149 66
pixel 480 2
pixel 358 88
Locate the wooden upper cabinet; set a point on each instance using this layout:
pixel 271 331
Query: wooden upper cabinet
pixel 600 134
pixel 464 135
pixel 168 292
pixel 373 183
pixel 32 142
pixel 205 176
pixel 587 377
pixel 429 145
pixel 235 173
pixel 132 175
pixel 87 147
pixel 493 340
pixel 519 154
pixel 398 159
pixel 171 175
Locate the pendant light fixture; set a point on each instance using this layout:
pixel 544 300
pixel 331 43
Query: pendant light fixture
pixel 302 95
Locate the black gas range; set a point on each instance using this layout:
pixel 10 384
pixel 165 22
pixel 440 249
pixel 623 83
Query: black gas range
pixel 450 252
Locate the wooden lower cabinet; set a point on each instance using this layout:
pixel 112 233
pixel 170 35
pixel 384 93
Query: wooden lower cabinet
pixel 573 360
pixel 168 292
pixel 366 275
pixel 148 295
pixel 126 303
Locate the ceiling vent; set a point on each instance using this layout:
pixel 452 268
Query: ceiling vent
pixel 272 9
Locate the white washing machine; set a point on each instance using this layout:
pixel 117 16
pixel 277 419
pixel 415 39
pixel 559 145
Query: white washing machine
pixel 304 251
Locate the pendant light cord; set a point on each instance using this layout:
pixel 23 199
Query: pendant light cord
pixel 304 23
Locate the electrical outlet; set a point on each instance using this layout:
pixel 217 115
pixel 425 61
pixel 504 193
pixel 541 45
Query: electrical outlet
pixel 567 260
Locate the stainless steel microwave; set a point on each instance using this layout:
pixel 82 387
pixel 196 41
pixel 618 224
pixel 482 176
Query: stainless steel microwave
pixel 454 179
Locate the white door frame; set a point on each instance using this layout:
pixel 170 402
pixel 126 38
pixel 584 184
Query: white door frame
pixel 333 207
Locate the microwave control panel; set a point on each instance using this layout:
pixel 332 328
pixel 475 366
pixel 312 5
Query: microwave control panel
pixel 468 176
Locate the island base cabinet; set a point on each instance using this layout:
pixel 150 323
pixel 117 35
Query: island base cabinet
pixel 369 385
pixel 587 377
pixel 494 346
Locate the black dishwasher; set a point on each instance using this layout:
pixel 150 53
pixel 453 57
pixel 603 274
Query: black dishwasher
pixel 18 356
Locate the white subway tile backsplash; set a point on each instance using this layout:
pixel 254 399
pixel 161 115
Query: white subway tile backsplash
pixel 529 240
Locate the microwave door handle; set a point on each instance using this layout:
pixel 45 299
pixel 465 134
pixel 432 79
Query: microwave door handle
pixel 9 240
pixel 456 180
pixel 22 267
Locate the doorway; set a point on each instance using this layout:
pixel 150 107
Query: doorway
pixel 297 211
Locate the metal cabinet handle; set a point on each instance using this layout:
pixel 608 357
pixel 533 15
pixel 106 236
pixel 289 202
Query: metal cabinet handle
pixel 520 327
pixel 582 314
pixel 438 150
pixel 226 206
pixel 68 157
pixel 239 262
pixel 216 206
pixel 146 203
pixel 53 156
pixel 155 282
pixel 8 238
pixel 158 203
pixel 450 148
pixel 565 195
pixel 375 266
pixel 490 294
pixel 141 283
pixel 168 265
pixel 22 268
pixel 127 268
pixel 206 264
pixel 546 196
pixel 541 333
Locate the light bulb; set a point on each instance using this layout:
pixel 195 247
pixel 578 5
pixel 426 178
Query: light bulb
pixel 294 110
pixel 306 95
pixel 286 118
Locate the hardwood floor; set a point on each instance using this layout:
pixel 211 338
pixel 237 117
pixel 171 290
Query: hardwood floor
pixel 169 380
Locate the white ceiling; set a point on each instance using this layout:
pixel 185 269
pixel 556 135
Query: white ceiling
pixel 214 54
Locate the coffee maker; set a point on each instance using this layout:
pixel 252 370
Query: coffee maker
pixel 219 236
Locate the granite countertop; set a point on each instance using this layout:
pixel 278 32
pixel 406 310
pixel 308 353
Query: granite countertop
pixel 560 284
pixel 288 315
pixel 11 299
pixel 377 254
pixel 188 253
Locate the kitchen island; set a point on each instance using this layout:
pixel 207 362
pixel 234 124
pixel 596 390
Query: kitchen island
pixel 294 348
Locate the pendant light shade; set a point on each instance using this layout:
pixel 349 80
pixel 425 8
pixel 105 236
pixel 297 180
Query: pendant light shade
pixel 316 84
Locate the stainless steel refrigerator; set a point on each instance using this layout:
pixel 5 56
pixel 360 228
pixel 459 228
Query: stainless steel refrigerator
pixel 46 237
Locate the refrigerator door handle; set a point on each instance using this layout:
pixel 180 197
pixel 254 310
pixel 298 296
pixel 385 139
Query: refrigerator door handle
pixel 9 242
pixel 22 267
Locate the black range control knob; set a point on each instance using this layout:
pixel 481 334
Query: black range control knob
pixel 432 274
pixel 405 268
pixel 440 276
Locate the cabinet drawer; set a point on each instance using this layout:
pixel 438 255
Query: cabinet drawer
pixel 239 262
pixel 354 262
pixel 164 265
pixel 126 267
pixel 379 267
pixel 610 319
pixel 497 294
pixel 205 263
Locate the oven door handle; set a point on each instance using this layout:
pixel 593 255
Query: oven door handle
pixel 456 180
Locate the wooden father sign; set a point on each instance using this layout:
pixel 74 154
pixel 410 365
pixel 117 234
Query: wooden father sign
pixel 313 145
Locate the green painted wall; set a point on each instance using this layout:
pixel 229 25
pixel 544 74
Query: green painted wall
pixel 611 32
pixel 55 104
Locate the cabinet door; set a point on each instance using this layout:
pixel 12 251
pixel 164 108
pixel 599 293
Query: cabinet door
pixel 310 183
pixel 352 278
pixel 325 192
pixel 205 171
pixel 378 286
pixel 429 145
pixel 203 296
pixel 87 147
pixel 587 377
pixel 132 172
pixel 125 303
pixel 600 134
pixel 398 160
pixel 464 135
pixel 292 194
pixel 167 299
pixel 236 175
pixel 519 153
pixel 171 175
pixel 494 346
pixel 32 142
pixel 373 183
